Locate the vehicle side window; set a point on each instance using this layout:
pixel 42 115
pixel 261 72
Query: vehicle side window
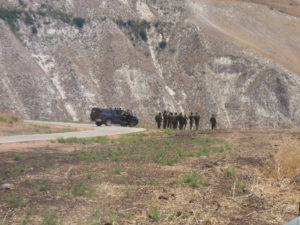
pixel 118 112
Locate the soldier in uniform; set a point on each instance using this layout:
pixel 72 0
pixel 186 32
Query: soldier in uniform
pixel 197 120
pixel 124 115
pixel 185 118
pixel 158 119
pixel 213 122
pixel 165 117
pixel 191 118
pixel 171 120
pixel 175 121
pixel 180 120
pixel 170 115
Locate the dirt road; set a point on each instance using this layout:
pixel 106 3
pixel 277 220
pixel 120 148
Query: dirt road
pixel 92 131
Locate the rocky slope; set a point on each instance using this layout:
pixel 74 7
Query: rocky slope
pixel 237 59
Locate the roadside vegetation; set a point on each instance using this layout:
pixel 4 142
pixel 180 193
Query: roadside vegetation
pixel 155 147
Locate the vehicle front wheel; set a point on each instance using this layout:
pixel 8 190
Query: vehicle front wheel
pixel 108 123
pixel 98 124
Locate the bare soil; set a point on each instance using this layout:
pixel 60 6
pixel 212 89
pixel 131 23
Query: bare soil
pixel 222 177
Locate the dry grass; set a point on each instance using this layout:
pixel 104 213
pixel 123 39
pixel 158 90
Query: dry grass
pixel 10 119
pixel 289 159
pixel 130 180
pixel 12 124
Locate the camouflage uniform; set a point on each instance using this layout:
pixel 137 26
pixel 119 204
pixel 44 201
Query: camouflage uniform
pixel 158 119
pixel 170 119
pixel 185 118
pixel 191 118
pixel 175 121
pixel 165 117
pixel 181 122
pixel 213 122
pixel 197 120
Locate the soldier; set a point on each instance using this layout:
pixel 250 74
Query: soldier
pixel 169 119
pixel 191 118
pixel 180 120
pixel 185 118
pixel 158 119
pixel 197 120
pixel 213 122
pixel 165 117
pixel 175 121
pixel 124 115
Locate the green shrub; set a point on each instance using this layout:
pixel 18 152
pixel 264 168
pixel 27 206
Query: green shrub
pixel 56 14
pixel 118 170
pixel 79 189
pixel 3 119
pixel 143 35
pixel 191 180
pixel 168 162
pixel 41 13
pixel 10 16
pixel 14 118
pixel 240 184
pixel 18 158
pixel 79 22
pixel 44 184
pixel 50 218
pixel 162 44
pixel 136 28
pixel 28 19
pixel 194 180
pixel 89 176
pixel 154 214
pixel 230 172
pixel 34 30
pixel 15 200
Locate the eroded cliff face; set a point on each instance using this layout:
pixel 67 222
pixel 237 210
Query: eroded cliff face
pixel 238 60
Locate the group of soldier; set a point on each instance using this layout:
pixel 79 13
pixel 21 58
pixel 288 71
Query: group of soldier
pixel 174 120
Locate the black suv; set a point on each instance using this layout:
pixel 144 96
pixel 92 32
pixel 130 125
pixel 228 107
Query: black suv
pixel 113 116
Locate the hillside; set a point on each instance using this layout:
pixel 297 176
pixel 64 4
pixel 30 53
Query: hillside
pixel 237 59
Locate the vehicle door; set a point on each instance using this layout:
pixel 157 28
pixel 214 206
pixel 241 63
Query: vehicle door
pixel 117 118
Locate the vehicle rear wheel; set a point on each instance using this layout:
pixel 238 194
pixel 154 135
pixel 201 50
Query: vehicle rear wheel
pixel 108 123
pixel 132 123
pixel 98 124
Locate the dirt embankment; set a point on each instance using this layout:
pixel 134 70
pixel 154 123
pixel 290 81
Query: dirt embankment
pixel 11 124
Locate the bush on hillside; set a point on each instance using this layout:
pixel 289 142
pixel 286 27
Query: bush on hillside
pixel 162 44
pixel 79 22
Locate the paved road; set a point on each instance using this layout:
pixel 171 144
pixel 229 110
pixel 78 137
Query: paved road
pixel 93 131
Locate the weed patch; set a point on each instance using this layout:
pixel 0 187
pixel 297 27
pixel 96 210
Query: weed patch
pixel 81 189
pixel 15 200
pixel 154 214
pixel 240 184
pixel 18 158
pixel 230 172
pixel 84 141
pixel 195 180
pixel 118 170
pixel 50 218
